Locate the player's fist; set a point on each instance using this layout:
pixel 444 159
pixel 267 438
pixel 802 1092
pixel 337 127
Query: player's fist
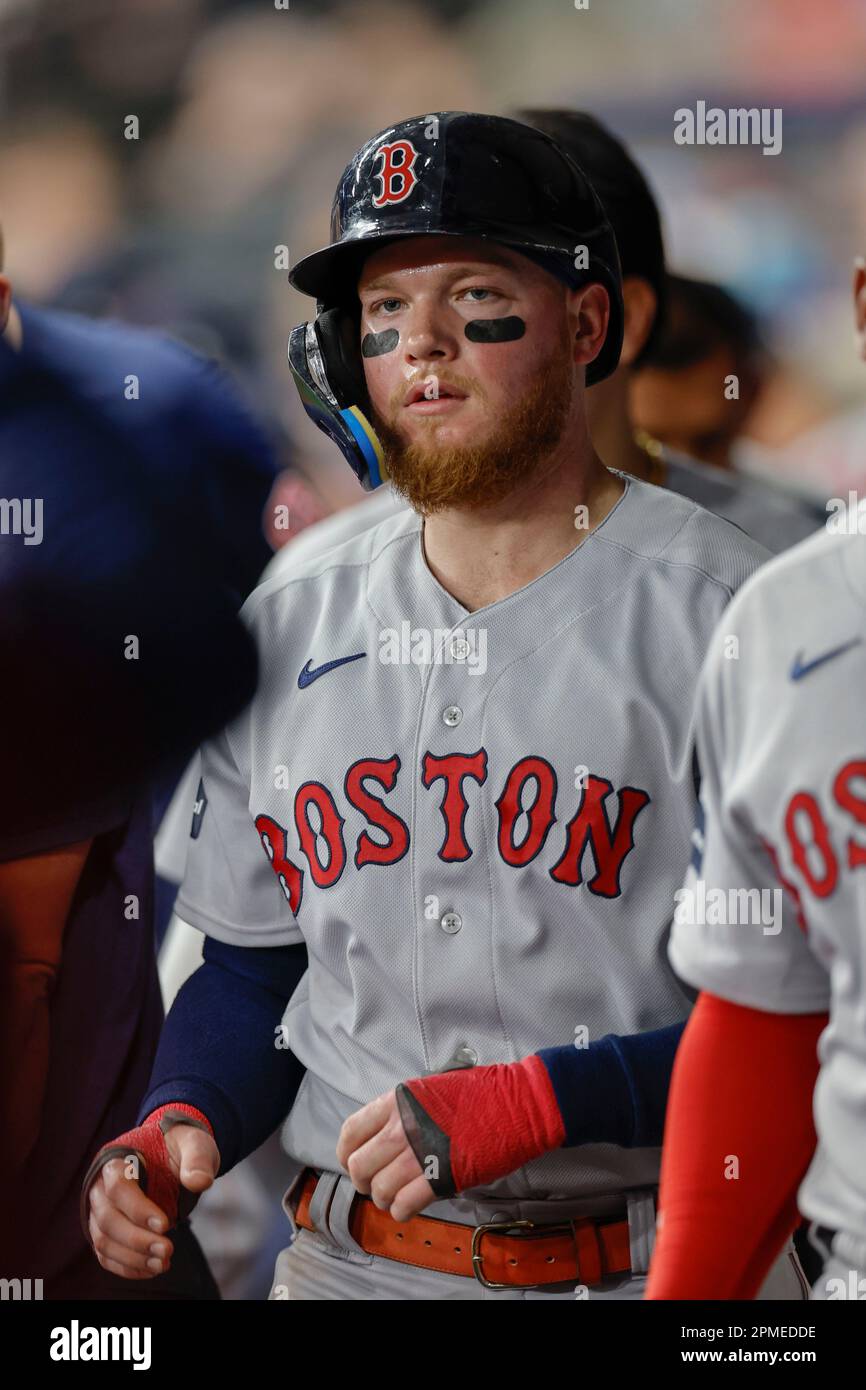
pixel 138 1187
pixel 438 1135
pixel 376 1153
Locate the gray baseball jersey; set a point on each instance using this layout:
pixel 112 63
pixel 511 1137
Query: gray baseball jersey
pixel 773 915
pixel 475 821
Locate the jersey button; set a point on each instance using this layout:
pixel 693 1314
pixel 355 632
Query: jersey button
pixel 451 922
pixel 465 1056
pixel 452 716
pixel 460 649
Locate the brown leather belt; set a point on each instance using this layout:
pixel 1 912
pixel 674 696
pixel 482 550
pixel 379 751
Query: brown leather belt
pixel 500 1254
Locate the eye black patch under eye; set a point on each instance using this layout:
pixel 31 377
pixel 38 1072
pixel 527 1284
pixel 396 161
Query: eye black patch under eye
pixel 495 330
pixel 375 344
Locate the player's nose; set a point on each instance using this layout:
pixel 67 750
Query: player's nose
pixel 429 337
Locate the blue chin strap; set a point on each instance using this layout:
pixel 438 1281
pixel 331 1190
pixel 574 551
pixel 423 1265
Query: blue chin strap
pixel 328 384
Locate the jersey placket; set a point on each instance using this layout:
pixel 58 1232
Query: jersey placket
pixel 454 974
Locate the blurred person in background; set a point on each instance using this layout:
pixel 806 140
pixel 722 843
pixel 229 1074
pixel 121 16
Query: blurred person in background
pixel 134 482
pixel 203 454
pixel 705 380
pixel 120 650
pixel 62 195
pixel 697 386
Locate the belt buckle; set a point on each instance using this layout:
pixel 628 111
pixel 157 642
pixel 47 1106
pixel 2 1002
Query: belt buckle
pixel 480 1231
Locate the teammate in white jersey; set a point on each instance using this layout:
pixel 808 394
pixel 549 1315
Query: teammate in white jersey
pixel 448 830
pixel 774 931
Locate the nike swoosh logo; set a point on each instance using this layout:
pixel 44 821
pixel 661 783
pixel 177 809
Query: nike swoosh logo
pixel 801 668
pixel 311 673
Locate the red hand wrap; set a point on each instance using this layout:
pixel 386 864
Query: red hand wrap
pixel 496 1118
pixel 153 1167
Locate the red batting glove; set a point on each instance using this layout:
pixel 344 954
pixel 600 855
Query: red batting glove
pixel 146 1144
pixel 470 1127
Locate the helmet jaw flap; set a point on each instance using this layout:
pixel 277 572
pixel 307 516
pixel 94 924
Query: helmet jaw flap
pixel 320 360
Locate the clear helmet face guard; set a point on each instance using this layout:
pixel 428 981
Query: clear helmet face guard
pixel 331 393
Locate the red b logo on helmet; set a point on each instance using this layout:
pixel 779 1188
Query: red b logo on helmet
pixel 398 161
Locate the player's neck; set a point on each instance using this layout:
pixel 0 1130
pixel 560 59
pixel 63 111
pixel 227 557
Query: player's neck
pixel 483 556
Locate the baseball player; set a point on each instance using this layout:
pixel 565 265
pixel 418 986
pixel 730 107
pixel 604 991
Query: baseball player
pixel 782 747
pixel 447 833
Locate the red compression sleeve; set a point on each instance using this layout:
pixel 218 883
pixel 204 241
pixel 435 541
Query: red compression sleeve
pixel 738 1139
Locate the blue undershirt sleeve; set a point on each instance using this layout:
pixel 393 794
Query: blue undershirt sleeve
pixel 221 1048
pixel 615 1091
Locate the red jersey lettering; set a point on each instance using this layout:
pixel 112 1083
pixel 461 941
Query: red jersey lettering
pixel 540 816
pixel 369 851
pixel 452 769
pixel 291 878
pixel 803 807
pixel 591 827
pixel 314 794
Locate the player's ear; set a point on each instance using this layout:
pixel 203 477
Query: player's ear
pixel 860 305
pixel 588 316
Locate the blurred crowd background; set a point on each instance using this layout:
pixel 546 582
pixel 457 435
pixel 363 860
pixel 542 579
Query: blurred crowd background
pixel 247 113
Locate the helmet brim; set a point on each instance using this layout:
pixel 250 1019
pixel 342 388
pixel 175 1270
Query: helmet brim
pixel 332 273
